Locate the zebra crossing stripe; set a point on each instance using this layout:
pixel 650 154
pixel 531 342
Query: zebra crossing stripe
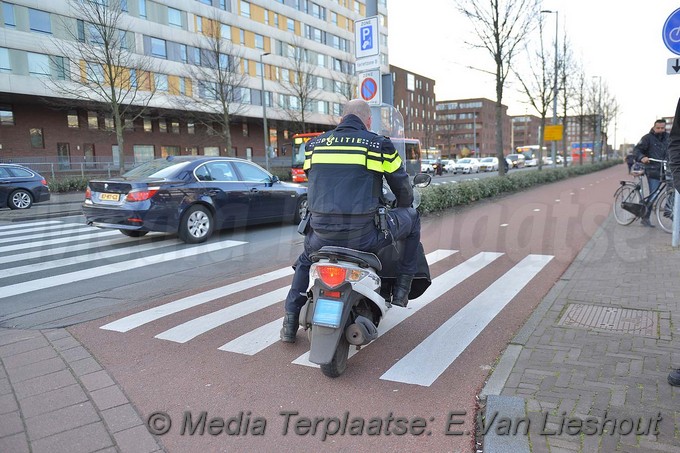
pixel 23 229
pixel 139 319
pixel 440 285
pixel 62 229
pixel 82 236
pixel 191 329
pixel 74 248
pixel 22 225
pixel 62 279
pixel 257 340
pixel 45 265
pixel 422 366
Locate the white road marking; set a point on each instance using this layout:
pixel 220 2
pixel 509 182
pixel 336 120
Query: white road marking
pixel 440 285
pixel 82 236
pixel 62 229
pixel 152 314
pixel 28 227
pixel 63 279
pixel 427 361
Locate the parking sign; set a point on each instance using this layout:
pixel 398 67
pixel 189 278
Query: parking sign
pixel 366 37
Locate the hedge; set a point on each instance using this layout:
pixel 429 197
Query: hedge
pixel 445 196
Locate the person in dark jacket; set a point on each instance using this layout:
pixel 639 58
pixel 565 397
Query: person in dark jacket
pixel 630 160
pixel 345 168
pixel 654 145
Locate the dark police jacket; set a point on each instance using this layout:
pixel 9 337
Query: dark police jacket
pixel 345 168
pixel 674 148
pixel 654 146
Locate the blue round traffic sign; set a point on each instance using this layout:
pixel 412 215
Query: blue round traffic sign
pixel 369 88
pixel 671 32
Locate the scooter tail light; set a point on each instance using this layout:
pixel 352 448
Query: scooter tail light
pixel 332 276
pixel 354 275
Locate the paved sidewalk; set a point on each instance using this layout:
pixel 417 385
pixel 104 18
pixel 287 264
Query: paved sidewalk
pixel 55 397
pixel 595 355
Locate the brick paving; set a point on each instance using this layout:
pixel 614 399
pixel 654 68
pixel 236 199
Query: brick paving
pixel 567 371
pixel 55 397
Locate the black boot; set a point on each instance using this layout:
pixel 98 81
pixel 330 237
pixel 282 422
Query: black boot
pixel 401 289
pixel 291 323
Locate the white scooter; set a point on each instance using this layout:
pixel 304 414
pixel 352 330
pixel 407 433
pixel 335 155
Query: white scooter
pixel 346 302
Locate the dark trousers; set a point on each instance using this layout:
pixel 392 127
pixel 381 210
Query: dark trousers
pixel 403 224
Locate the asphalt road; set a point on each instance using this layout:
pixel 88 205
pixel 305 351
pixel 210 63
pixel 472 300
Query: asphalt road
pixel 186 330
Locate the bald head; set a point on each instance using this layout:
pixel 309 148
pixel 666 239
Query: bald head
pixel 360 108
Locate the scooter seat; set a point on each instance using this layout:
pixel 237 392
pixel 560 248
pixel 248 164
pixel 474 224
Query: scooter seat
pixel 332 253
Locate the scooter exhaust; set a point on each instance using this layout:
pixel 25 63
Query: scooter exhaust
pixel 362 332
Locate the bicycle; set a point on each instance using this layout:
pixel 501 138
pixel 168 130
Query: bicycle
pixel 630 203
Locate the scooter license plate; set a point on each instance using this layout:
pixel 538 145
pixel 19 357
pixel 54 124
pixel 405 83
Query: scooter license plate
pixel 328 313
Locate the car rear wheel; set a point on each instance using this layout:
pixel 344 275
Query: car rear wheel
pixel 20 199
pixel 301 209
pixel 133 233
pixel 196 225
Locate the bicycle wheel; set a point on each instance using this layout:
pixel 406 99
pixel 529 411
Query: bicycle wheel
pixel 664 210
pixel 625 193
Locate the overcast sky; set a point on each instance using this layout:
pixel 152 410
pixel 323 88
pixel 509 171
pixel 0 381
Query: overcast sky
pixel 619 40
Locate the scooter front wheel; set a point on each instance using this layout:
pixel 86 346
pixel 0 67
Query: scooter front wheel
pixel 338 365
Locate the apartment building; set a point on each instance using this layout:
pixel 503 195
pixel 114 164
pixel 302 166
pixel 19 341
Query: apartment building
pixel 277 48
pixel 526 130
pixel 415 99
pixel 467 127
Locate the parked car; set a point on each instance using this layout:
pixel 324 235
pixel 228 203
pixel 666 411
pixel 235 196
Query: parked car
pixel 533 162
pixel 20 187
pixel 426 166
pixel 466 165
pixel 449 165
pixel 517 160
pixel 488 164
pixel 192 196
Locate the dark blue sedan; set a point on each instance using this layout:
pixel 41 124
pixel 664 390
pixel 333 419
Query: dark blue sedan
pixel 192 196
pixel 20 187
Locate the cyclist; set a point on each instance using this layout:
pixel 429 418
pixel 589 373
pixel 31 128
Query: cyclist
pixel 654 145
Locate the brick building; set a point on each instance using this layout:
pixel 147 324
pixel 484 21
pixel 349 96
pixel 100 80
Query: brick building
pixel 415 99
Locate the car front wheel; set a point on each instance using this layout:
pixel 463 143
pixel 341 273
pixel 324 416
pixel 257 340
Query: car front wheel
pixel 300 209
pixel 20 199
pixel 196 225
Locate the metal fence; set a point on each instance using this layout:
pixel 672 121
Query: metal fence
pixel 56 168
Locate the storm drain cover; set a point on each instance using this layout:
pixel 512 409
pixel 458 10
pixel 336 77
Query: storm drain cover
pixel 611 319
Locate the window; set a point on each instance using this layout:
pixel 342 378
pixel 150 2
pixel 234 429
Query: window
pixel 158 48
pixel 4 60
pixel 183 53
pixel 92 120
pixel 244 129
pixel 169 151
pixel 133 78
pixel 147 125
pixel 6 115
pixel 291 25
pixel 174 17
pixel 182 86
pixel 81 30
pixel 245 9
pixel 191 128
pixel 129 124
pixel 72 119
pixel 39 21
pixel 162 125
pixel 95 73
pixel 174 127
pixel 211 150
pixel 108 123
pixel 8 14
pixel 225 31
pixel 250 172
pixel 259 42
pixel 334 18
pixel 143 153
pixel 161 81
pixel 142 8
pixel 38 64
pixel 37 138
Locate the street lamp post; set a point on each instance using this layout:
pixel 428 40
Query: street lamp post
pixel 598 126
pixel 264 115
pixel 554 121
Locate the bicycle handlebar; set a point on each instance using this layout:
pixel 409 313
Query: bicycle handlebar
pixel 657 160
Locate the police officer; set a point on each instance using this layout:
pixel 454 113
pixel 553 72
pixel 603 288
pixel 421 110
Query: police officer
pixel 345 168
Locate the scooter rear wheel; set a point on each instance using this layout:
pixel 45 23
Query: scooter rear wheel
pixel 338 365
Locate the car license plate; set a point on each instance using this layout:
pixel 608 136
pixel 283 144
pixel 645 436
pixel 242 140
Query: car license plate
pixel 328 313
pixel 109 196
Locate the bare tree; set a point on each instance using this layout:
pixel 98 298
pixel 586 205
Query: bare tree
pixel 300 84
pixel 100 65
pixel 221 81
pixel 501 26
pixel 569 88
pixel 537 85
pixel 581 109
